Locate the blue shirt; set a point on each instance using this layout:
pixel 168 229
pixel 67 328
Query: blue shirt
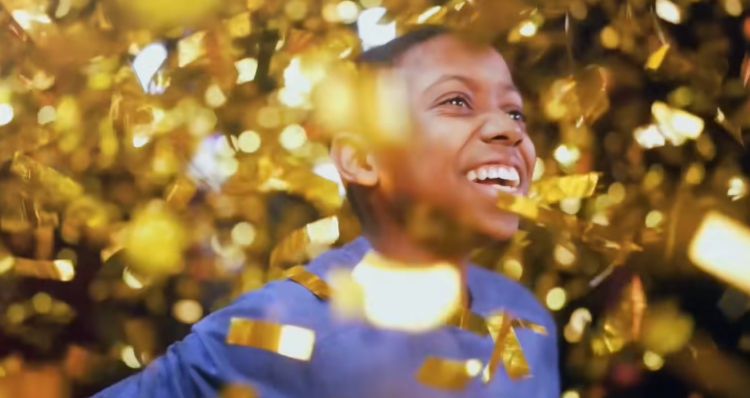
pixel 350 360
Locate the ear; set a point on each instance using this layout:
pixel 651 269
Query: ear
pixel 354 163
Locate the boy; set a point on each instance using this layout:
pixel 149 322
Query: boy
pixel 469 142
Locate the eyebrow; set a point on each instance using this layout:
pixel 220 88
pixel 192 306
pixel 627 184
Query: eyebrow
pixel 507 87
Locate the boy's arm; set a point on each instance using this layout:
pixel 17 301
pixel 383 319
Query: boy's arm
pixel 203 363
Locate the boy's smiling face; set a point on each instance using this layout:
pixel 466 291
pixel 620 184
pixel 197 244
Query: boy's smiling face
pixel 469 139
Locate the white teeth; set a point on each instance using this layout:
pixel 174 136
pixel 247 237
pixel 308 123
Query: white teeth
pixel 509 174
pixel 505 188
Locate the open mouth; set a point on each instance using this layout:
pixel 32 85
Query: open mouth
pixel 496 177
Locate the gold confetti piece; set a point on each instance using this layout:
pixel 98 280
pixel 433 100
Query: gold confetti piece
pixel 32 17
pixel 720 247
pixel 495 322
pixel 179 194
pixel 508 348
pixel 523 206
pixel 297 247
pixel 59 270
pixel 675 124
pixel 287 340
pixel 468 320
pixel 191 49
pixel 500 330
pixel 745 70
pixel 246 70
pixel 668 11
pixel 554 189
pixel 147 65
pixel 622 323
pixel 657 57
pixel 318 190
pixel 20 213
pixel 239 25
pixel 312 282
pixel 524 324
pixel 166 14
pixel 37 175
pixel 44 238
pixel 6 260
pixel 238 391
pixel 577 326
pixel 24 141
pixel 733 130
pixel 578 98
pixel 613 242
pixel 446 374
pixel 297 40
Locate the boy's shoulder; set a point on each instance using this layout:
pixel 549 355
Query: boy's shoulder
pixel 283 302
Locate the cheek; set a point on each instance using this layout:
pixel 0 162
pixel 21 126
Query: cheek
pixel 528 152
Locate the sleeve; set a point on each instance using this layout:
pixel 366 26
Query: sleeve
pixel 203 364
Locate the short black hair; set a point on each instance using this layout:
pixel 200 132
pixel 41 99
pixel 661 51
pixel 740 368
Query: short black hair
pixel 387 55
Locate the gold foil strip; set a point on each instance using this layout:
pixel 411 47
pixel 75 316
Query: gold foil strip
pixel 59 270
pixel 734 130
pixel 600 238
pixel 287 340
pixel 179 194
pixel 318 190
pixel 503 329
pixel 447 374
pixel 554 189
pixel 514 360
pixel 507 346
pixel 623 322
pixel 524 324
pixel 6 260
pixel 468 320
pixel 312 282
pixel 296 247
pixel 24 141
pixel 31 16
pixel 191 49
pixel 522 206
pixel 38 175
pixel 22 213
pixel 495 322
pixel 657 57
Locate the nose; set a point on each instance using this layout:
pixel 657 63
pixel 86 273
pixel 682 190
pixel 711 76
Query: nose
pixel 499 128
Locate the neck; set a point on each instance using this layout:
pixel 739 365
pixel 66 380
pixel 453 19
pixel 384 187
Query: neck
pixel 398 246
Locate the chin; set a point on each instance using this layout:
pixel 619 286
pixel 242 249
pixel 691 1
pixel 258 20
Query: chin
pixel 499 228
